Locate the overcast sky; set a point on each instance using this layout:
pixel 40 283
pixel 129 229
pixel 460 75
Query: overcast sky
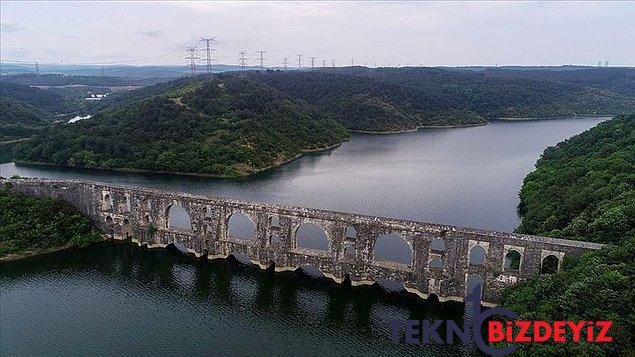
pixel 382 33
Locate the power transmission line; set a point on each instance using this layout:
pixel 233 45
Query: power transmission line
pixel 323 63
pixel 332 63
pixel 261 54
pixel 312 62
pixel 209 55
pixel 37 68
pixel 299 61
pixel 242 59
pixel 285 62
pixel 192 57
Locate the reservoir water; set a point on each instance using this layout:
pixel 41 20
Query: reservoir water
pixel 115 298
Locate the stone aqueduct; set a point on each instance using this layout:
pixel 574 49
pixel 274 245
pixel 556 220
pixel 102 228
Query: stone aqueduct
pixel 441 254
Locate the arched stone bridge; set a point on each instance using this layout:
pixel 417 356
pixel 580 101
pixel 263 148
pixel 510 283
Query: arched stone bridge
pixel 443 259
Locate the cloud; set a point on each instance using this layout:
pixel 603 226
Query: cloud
pixel 10 27
pixel 151 33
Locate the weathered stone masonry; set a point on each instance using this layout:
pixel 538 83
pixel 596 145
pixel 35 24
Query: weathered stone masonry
pixel 142 215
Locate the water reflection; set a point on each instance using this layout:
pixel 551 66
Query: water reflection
pixel 176 304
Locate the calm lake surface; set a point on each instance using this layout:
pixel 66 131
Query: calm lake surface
pixel 116 298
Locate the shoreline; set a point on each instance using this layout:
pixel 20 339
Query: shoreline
pixel 556 118
pixel 34 253
pixel 191 174
pixel 371 132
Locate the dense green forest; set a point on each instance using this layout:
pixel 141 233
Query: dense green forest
pixel 246 133
pixel 584 189
pixel 367 104
pixel 30 224
pixel 224 125
pixel 497 94
pixel 617 80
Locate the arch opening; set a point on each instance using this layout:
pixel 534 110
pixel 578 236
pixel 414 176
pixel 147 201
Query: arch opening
pixel 209 213
pixel 178 218
pixel 311 271
pixel 109 220
pixel 240 226
pixel 512 260
pixel 437 244
pixel 275 240
pixel 177 248
pixel 274 222
pixel 436 263
pixel 392 248
pixel 390 285
pixel 474 282
pixel 311 236
pixel 549 265
pixel 351 233
pixel 477 255
pixel 241 257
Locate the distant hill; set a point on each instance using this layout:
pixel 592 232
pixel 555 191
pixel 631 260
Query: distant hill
pixel 224 125
pixel 32 79
pixel 239 123
pixel 366 104
pixel 526 93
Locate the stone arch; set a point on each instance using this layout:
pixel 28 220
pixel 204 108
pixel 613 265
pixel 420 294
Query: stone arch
pixel 351 233
pixel 550 265
pixel 477 255
pixel 312 236
pixel 240 226
pixel 107 202
pixel 437 244
pixel 512 260
pixel 436 263
pixel 472 282
pixel 109 220
pixel 393 248
pixel 178 218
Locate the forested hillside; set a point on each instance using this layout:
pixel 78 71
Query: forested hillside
pixel 225 125
pixel 492 94
pixel 584 189
pixel 367 104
